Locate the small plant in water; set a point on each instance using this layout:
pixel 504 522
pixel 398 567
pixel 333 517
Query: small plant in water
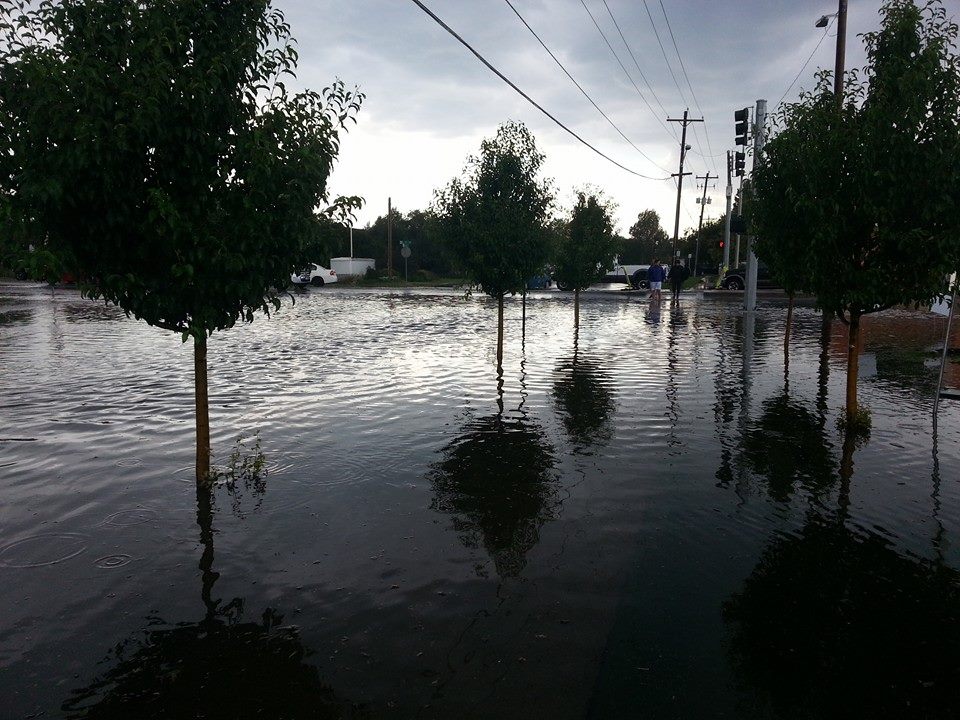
pixel 246 472
pixel 857 424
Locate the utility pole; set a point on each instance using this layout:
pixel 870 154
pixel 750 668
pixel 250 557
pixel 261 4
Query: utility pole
pixel 841 50
pixel 759 136
pixel 703 205
pixel 389 237
pixel 726 225
pixel 686 120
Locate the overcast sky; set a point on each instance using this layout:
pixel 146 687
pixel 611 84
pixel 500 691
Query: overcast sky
pixel 430 102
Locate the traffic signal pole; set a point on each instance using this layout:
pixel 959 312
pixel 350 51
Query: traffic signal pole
pixel 726 225
pixel 759 136
pixel 686 120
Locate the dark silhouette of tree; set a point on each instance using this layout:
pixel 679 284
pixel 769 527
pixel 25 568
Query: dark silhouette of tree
pixel 647 240
pixel 833 622
pixel 497 481
pixel 584 396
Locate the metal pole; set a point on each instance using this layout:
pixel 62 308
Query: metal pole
pixel 351 242
pixel 726 226
pixel 750 296
pixel 389 237
pixel 946 346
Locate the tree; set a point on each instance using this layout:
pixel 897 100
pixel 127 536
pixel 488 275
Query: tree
pixel 497 214
pixel 647 239
pixel 587 248
pixel 158 148
pixel 874 179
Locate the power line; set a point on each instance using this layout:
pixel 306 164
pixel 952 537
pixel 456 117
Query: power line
pixel 664 52
pixel 579 87
pixel 687 78
pixel 630 50
pixel 526 97
pixel 624 68
pixel 807 62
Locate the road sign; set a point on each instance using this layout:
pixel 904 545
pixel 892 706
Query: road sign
pixel 405 252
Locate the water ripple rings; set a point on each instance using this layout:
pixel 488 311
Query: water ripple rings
pixel 42 550
pixel 110 562
pixel 133 516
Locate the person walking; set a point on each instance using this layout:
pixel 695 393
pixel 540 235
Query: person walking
pixel 678 275
pixel 655 276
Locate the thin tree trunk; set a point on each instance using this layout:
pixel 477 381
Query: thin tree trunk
pixel 500 331
pixel 523 325
pixel 202 408
pixel 789 329
pixel 853 365
pixel 576 308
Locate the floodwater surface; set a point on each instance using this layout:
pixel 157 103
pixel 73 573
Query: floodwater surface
pixel 655 516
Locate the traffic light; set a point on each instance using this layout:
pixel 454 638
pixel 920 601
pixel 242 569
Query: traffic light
pixel 721 244
pixel 729 164
pixel 740 164
pixel 742 118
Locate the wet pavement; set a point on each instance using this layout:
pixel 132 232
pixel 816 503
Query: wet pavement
pixel 653 517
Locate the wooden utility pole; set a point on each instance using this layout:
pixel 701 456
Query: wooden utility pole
pixel 686 120
pixel 703 205
pixel 841 50
pixel 726 225
pixel 389 238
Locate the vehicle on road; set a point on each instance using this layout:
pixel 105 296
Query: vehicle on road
pixel 315 275
pixel 736 279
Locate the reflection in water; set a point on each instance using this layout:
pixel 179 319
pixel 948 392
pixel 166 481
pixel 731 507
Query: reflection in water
pixel 834 623
pixel 787 446
pixel 584 396
pixel 219 667
pixel 497 480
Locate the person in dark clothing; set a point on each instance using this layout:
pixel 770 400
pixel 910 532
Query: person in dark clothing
pixel 678 274
pixel 655 276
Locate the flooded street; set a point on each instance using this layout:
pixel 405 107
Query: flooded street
pixel 653 517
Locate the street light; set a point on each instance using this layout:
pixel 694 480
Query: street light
pixel 825 20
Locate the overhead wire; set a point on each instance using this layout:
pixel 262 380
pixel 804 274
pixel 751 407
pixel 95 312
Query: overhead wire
pixel 625 71
pixel 634 57
pixel 687 78
pixel 807 61
pixel 580 87
pixel 524 95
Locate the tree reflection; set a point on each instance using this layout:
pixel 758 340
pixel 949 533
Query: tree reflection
pixel 497 481
pixel 787 447
pixel 835 623
pixel 584 396
pixel 219 667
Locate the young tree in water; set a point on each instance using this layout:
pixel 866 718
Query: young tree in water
pixel 874 179
pixel 497 213
pixel 587 248
pixel 157 146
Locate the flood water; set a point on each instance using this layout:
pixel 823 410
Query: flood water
pixel 653 517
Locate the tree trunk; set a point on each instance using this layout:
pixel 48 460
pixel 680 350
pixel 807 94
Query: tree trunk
pixel 853 365
pixel 500 331
pixel 576 308
pixel 205 521
pixel 789 328
pixel 523 325
pixel 202 408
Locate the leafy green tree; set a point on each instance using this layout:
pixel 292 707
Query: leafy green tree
pixel 497 214
pixel 159 150
pixel 874 181
pixel 647 239
pixel 587 248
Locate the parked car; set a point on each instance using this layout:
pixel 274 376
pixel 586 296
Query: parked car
pixel 638 280
pixel 315 275
pixel 736 279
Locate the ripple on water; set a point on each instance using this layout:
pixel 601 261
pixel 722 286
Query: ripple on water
pixel 109 562
pixel 42 550
pixel 131 516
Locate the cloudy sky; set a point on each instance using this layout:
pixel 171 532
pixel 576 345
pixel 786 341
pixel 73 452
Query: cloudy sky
pixel 430 102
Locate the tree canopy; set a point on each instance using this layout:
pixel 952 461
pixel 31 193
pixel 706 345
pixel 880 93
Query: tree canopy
pixel 587 248
pixel 497 212
pixel 155 148
pixel 647 239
